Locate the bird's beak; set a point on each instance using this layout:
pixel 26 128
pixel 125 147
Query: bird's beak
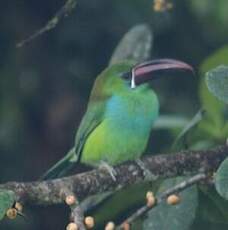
pixel 146 71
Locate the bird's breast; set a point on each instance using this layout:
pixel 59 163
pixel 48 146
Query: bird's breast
pixel 135 112
pixel 124 132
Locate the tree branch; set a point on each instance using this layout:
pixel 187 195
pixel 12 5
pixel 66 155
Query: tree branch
pixel 99 180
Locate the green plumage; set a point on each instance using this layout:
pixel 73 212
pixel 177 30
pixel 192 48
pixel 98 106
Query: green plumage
pixel 117 124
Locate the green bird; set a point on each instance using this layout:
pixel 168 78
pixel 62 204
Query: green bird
pixel 121 112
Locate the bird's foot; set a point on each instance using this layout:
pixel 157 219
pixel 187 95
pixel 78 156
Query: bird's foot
pixel 146 172
pixel 109 168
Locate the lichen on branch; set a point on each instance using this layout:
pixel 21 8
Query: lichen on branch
pixel 99 180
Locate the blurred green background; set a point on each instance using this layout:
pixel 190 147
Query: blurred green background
pixel 44 86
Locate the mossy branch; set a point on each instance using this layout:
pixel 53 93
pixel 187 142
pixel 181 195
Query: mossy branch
pixel 99 180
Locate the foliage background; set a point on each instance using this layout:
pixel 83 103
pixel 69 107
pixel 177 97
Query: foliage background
pixel 44 86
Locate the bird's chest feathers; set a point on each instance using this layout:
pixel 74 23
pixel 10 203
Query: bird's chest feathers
pixel 124 131
pixel 130 113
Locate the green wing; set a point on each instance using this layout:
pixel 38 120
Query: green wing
pixel 92 118
pixel 90 121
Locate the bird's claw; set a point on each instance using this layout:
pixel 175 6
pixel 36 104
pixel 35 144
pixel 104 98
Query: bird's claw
pixel 109 168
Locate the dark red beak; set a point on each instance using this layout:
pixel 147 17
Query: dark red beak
pixel 146 71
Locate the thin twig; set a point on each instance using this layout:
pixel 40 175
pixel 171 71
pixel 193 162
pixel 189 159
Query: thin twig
pixel 183 185
pixel 66 9
pixel 77 216
pixel 176 189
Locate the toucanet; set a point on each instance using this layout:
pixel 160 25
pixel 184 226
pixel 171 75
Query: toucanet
pixel 121 111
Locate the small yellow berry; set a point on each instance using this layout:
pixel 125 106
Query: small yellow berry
pixel 110 226
pixel 169 6
pixel 70 200
pixel 157 7
pixel 126 226
pixel 89 222
pixel 162 5
pixel 151 200
pixel 11 213
pixel 18 206
pixel 72 226
pixel 173 199
pixel 149 194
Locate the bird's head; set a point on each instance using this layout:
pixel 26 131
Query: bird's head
pixel 127 76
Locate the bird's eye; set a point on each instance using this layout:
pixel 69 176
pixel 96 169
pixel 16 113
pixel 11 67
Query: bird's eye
pixel 126 75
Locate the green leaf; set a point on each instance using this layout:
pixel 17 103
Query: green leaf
pixel 7 198
pixel 135 45
pixel 219 57
pixel 212 17
pixel 217 82
pixel 212 207
pixel 202 144
pixel 214 125
pixel 177 217
pixel 221 179
pixel 188 127
pixel 170 122
pixel 210 103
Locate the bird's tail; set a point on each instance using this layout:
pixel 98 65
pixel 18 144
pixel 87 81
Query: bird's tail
pixel 61 167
